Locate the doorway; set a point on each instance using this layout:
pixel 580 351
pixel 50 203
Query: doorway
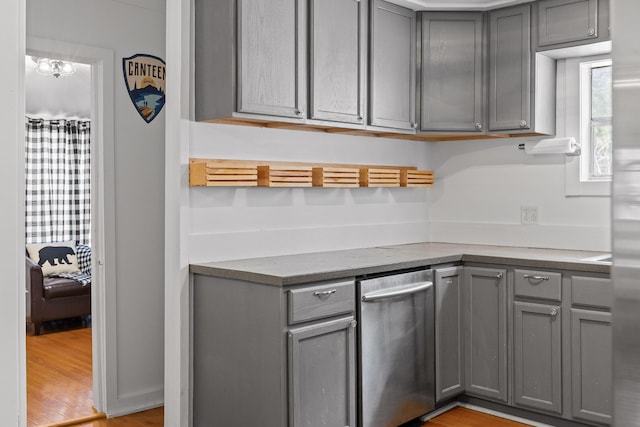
pixel 99 63
pixel 58 223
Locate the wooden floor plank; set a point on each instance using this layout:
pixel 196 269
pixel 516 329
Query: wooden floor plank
pixel 464 417
pixel 59 383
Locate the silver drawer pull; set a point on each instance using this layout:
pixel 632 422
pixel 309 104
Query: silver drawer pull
pixel 499 276
pixel 553 311
pixel 391 293
pixel 321 294
pixel 539 278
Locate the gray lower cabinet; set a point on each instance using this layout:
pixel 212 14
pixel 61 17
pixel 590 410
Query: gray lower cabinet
pixel 510 68
pixel 591 365
pixel 449 332
pixel 452 80
pixel 393 66
pixel 486 332
pixel 338 61
pixel 272 355
pixel 537 356
pixel 571 22
pixel 322 374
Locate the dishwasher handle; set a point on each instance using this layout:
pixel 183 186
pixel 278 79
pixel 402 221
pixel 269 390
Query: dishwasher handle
pixel 384 294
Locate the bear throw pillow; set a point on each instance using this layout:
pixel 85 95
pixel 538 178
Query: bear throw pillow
pixel 58 257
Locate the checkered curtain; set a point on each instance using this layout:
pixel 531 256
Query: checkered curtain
pixel 58 174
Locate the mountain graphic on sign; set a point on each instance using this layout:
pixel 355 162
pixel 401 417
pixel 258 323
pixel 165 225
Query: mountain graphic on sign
pixel 149 100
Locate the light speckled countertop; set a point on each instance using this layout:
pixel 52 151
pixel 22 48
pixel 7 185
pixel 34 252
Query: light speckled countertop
pixel 313 267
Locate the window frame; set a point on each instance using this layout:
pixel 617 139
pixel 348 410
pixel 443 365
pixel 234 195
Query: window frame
pixel 577 114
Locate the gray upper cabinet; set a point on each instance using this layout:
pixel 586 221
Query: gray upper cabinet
pixel 337 56
pixel 563 23
pixel 452 72
pixel 393 66
pixel 322 374
pixel 270 41
pixel 449 333
pixel 510 69
pixel 537 356
pixel 250 59
pixel 486 332
pixel 591 365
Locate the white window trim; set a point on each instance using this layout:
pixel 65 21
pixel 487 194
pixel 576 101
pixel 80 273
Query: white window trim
pixel 570 105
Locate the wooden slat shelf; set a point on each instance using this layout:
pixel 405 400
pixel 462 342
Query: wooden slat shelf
pixel 376 177
pixel 336 177
pixel 262 173
pixel 416 178
pixel 284 176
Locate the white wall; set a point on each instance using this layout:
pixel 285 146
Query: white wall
pixel 229 223
pixel 481 185
pixel 12 309
pixel 134 175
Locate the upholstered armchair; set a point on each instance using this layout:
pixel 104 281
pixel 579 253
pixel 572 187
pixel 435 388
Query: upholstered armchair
pixel 56 297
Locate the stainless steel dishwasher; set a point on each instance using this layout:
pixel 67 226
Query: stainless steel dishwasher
pixel 396 348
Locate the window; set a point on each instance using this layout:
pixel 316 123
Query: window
pixel 584 87
pixel 596 113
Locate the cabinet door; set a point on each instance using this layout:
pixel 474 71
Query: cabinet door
pixel 591 365
pixel 393 65
pixel 449 339
pixel 337 60
pixel 452 81
pixel 322 374
pixel 510 68
pixel 486 333
pixel 270 57
pixel 537 356
pixel 562 21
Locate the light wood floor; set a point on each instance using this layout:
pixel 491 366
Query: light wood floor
pixel 59 388
pixel 463 417
pixel 59 383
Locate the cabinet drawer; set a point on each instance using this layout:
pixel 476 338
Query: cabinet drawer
pixel 592 291
pixel 321 301
pixel 538 284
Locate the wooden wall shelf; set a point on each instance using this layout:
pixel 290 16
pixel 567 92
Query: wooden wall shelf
pixel 259 173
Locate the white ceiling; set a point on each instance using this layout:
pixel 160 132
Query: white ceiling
pixel 456 4
pixel 49 97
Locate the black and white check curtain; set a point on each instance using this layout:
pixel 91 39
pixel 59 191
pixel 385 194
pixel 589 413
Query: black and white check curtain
pixel 58 174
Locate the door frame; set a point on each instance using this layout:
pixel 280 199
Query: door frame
pixel 102 205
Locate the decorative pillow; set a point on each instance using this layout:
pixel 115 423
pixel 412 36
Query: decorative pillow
pixel 58 257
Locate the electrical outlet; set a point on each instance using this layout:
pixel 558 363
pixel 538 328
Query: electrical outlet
pixel 529 215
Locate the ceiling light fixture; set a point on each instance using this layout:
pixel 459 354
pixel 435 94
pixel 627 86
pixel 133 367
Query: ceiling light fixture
pixel 54 67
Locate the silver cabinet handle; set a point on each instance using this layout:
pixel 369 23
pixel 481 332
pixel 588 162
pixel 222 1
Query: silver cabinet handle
pixel 414 125
pixel 538 278
pixel 478 126
pixel 378 295
pixel 523 123
pixel 499 276
pixel 449 282
pixel 299 112
pixel 321 294
pixel 553 311
pixel 354 323
pixel 591 32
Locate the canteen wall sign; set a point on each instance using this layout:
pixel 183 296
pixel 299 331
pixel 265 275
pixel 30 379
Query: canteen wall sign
pixel 144 76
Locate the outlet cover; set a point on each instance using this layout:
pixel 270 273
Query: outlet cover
pixel 529 215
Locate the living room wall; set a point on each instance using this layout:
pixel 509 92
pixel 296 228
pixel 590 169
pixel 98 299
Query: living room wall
pixel 134 177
